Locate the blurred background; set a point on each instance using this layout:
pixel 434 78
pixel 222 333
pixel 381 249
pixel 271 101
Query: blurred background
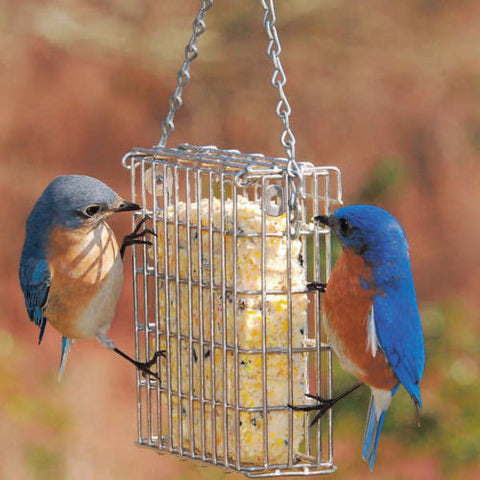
pixel 387 91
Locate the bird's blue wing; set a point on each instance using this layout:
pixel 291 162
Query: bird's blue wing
pixel 400 336
pixel 35 283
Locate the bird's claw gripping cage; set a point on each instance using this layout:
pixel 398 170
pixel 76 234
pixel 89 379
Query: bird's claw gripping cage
pixel 222 291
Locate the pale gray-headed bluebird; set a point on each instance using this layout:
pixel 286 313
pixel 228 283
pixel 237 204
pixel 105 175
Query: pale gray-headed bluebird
pixel 371 314
pixel 71 268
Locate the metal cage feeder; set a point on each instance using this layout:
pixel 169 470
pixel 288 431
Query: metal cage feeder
pixel 223 292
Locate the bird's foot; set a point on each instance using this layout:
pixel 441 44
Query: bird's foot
pixel 317 287
pixel 322 407
pixel 136 237
pixel 324 404
pixel 145 366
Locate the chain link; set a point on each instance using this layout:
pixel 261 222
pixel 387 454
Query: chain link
pixel 183 75
pixel 283 109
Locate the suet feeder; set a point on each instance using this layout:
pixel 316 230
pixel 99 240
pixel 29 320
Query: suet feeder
pixel 223 292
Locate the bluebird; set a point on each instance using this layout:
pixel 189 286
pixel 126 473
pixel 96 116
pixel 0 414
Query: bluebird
pixel 71 267
pixel 371 315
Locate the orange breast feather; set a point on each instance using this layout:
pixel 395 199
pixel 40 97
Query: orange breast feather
pixel 347 305
pixel 81 262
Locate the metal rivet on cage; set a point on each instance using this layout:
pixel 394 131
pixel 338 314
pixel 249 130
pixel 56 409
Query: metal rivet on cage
pixel 222 291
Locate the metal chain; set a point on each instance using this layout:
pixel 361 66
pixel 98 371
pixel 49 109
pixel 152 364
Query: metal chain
pixel 183 75
pixel 278 80
pixel 283 110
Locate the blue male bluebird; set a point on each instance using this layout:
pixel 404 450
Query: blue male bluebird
pixel 371 314
pixel 71 268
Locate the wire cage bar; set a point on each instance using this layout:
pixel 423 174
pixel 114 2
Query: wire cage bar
pixel 223 291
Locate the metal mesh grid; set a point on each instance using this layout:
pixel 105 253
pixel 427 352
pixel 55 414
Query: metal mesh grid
pixel 223 292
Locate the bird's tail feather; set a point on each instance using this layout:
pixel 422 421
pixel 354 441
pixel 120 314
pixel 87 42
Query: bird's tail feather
pixel 66 346
pixel 372 433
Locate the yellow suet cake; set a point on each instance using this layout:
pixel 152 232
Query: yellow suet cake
pixel 227 328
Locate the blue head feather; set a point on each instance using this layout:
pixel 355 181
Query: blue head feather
pixel 62 202
pixel 378 237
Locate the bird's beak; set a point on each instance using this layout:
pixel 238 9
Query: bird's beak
pixel 127 207
pixel 324 219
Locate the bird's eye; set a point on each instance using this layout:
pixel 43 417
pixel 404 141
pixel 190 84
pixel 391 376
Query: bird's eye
pixel 345 226
pixel 92 210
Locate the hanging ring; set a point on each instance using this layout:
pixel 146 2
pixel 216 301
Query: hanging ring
pixel 274 200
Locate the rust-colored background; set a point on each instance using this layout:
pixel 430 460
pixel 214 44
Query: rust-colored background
pixel 387 91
